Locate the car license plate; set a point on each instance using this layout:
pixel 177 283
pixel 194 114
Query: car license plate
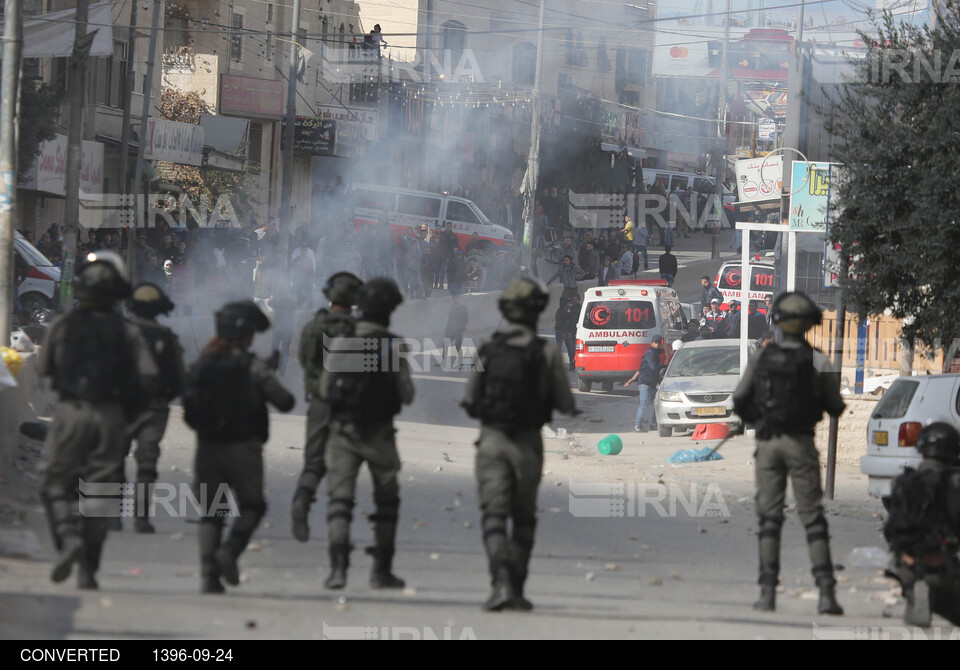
pixel 709 411
pixel 880 438
pixel 600 350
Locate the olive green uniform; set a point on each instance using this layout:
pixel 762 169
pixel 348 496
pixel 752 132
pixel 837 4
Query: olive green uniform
pixel 509 466
pixel 794 455
pixel 352 443
pixel 238 463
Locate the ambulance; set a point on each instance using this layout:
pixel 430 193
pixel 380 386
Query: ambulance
pixel 617 324
pixel 762 278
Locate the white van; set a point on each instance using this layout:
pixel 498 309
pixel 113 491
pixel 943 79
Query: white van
pixel 671 180
pixel 41 279
pixel 617 324
pixel 405 208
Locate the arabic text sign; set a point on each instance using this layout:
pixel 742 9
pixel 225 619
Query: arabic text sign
pixel 366 117
pixel 174 142
pixel 759 179
pixel 246 96
pixel 810 194
pixel 49 170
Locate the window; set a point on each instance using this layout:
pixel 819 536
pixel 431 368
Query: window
pixel 682 182
pixel 454 40
pixel 419 205
pixel 461 212
pixel 255 146
pixel 271 49
pixel 603 60
pixel 236 38
pixel 370 199
pixel 524 64
pixel 619 315
pixel 569 51
pixel 703 185
pixel 270 12
pixel 108 76
pixel 672 314
pixel 896 401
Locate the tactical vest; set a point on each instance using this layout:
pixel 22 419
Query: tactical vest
pixel 97 362
pixel 509 397
pixel 787 397
pixel 166 352
pixel 220 400
pixel 917 516
pixel 363 389
pixel 314 339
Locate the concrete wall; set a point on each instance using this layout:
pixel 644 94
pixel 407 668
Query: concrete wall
pixel 852 430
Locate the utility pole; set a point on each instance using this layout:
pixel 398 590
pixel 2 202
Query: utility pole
pixel 125 128
pixel 142 143
pixel 721 148
pixel 533 160
pixel 71 216
pixel 834 429
pixel 9 93
pixel 285 219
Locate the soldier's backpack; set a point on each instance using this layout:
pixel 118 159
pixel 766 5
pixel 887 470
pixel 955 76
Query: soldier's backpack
pixel 167 354
pixel 509 396
pixel 219 399
pixel 917 519
pixel 787 397
pixel 362 381
pixel 315 340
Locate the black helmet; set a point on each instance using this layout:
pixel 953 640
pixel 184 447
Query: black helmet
pixel 341 289
pixel 523 300
pixel 796 313
pixel 149 300
pixel 378 298
pixel 237 320
pixel 941 441
pixel 100 278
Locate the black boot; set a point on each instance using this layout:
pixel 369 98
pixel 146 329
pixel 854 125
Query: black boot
pixel 521 604
pixel 299 512
pixel 339 562
pixel 381 576
pixel 141 522
pixel 89 563
pixel 918 612
pixel 71 551
pixel 241 530
pixel 209 539
pixel 502 596
pixel 521 547
pixel 767 602
pixel 828 600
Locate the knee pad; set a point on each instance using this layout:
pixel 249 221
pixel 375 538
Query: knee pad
pixel 340 508
pixel 523 534
pixel 494 525
pixel 817 530
pixel 770 527
pixel 387 510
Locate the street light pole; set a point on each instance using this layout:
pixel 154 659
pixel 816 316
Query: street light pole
pixel 9 93
pixel 533 160
pixel 289 137
pixel 125 125
pixel 721 148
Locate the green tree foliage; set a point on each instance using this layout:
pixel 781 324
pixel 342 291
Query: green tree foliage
pixel 39 112
pixel 898 201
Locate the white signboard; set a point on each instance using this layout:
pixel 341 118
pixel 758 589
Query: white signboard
pixel 760 179
pixel 366 117
pixel 174 142
pixel 767 130
pixel 49 171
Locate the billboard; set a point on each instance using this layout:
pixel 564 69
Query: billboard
pixel 689 38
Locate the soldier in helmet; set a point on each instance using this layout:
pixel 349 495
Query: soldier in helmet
pixel 784 392
pixel 365 381
pixel 923 527
pixel 341 290
pixel 146 304
pixel 519 383
pixel 225 398
pixel 95 359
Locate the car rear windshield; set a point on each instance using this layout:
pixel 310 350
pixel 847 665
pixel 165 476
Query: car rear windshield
pixel 705 361
pixel 896 401
pixel 619 315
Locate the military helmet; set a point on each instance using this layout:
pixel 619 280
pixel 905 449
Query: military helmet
pixel 100 278
pixel 237 320
pixel 941 441
pixel 379 296
pixel 523 300
pixel 341 289
pixel 796 313
pixel 149 300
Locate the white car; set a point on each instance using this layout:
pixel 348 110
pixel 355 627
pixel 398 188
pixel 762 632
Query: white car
pixel 909 405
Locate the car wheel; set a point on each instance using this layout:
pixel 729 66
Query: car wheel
pixel 33 304
pixel 607 386
pixel 665 431
pixel 584 385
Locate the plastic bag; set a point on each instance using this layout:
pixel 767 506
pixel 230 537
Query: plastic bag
pixel 693 456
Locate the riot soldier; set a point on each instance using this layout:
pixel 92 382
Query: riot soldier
pixel 923 528
pixel 95 359
pixel 519 383
pixel 784 392
pixel 225 398
pixel 341 290
pixel 365 388
pixel 146 304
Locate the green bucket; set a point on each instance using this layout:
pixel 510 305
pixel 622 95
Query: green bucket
pixel 610 445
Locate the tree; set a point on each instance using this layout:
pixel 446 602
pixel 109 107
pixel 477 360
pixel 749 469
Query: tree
pixel 898 202
pixel 39 113
pixel 198 182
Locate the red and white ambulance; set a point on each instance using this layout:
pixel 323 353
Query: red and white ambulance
pixel 617 324
pixel 760 284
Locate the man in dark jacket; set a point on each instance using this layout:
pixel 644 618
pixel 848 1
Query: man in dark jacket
pixel 709 292
pixel 668 266
pixel 566 317
pixel 648 377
